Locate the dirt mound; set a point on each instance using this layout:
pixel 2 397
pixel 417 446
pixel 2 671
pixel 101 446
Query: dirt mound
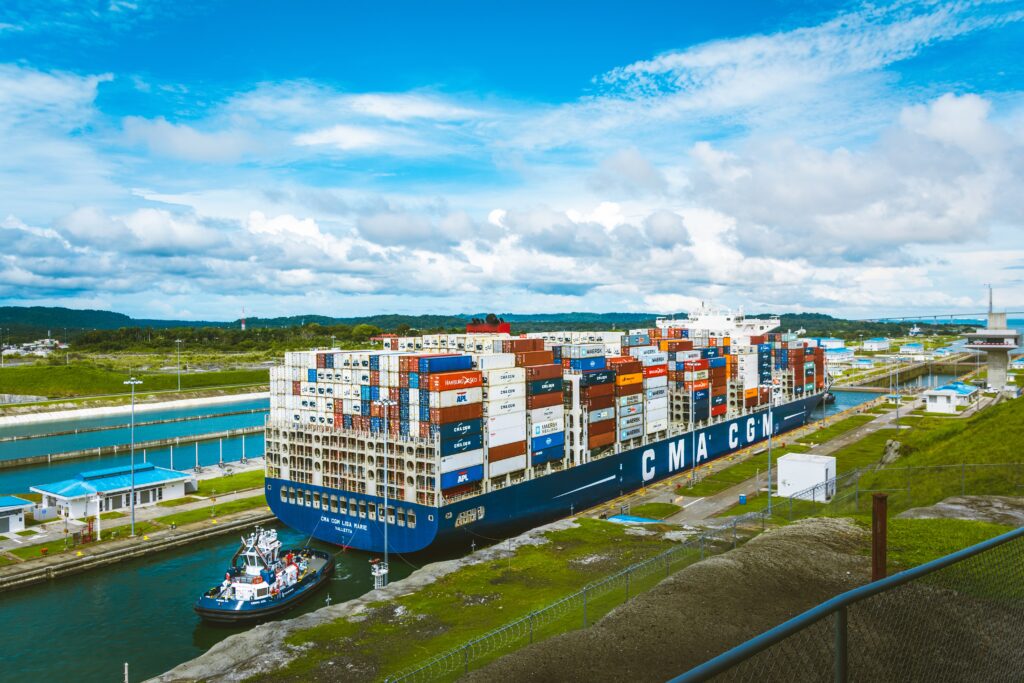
pixel 702 610
pixel 996 509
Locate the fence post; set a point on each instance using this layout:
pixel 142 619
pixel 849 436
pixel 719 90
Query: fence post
pixel 531 627
pixel 879 512
pixel 840 670
pixel 702 546
pixel 734 534
pixel 465 659
pixel 584 607
pixel 791 508
pixel 666 565
pixel 628 572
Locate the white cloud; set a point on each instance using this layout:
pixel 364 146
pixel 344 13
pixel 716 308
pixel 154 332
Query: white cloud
pixel 406 106
pixel 348 138
pixel 185 142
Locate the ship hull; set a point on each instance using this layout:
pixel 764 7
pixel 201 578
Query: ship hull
pixel 496 514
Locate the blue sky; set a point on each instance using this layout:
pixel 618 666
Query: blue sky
pixel 348 158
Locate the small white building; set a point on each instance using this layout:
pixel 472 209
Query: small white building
pixel 950 397
pixel 825 342
pixel 876 344
pixel 110 489
pixel 12 513
pixel 807 476
pixel 863 363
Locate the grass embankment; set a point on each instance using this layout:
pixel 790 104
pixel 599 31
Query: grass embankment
pixel 175 502
pixel 31 552
pixel 214 511
pixel 738 473
pixel 62 381
pixel 241 481
pixel 912 542
pixel 655 510
pixel 471 601
pixel 836 429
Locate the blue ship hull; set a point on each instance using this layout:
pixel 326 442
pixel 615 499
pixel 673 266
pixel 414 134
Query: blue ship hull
pixel 490 516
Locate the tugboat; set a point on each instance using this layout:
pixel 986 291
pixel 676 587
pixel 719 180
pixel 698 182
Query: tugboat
pixel 262 581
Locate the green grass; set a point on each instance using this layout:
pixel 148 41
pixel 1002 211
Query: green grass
pixel 736 474
pixel 31 552
pixel 251 479
pixel 175 502
pixel 88 380
pixel 655 510
pixel 113 514
pixel 218 510
pixel 27 532
pixel 833 430
pixel 913 542
pixel 476 599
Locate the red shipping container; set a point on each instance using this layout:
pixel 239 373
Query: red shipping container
pixel 598 440
pixel 718 390
pixel 543 371
pixel 505 451
pixel 375 377
pixel 465 379
pixel 655 371
pixel 629 389
pixel 598 402
pixel 521 345
pixel 525 358
pixel 424 430
pixel 699 385
pixel 296 388
pixel 718 410
pixel 701 364
pixel 602 427
pixel 543 400
pixel 403 380
pixel 321 360
pixel 596 390
pixel 469 411
pixel 459 490
pixel 375 410
pixel 626 366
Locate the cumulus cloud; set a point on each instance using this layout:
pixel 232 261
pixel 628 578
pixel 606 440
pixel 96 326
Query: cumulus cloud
pixel 185 142
pixel 628 172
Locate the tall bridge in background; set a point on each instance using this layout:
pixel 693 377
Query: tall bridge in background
pixel 938 317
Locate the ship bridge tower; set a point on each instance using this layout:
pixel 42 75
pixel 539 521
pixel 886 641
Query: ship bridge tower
pixel 997 341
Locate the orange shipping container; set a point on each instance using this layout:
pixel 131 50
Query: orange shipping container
pixel 598 402
pixel 466 379
pixel 629 389
pixel 750 393
pixel 509 450
pixel 595 390
pixel 602 427
pixel 543 400
pixel 469 411
pixel 598 440
pixel 525 358
pixel 631 378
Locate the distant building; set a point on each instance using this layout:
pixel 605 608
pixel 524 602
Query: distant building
pixel 863 363
pixel 876 344
pixel 949 397
pixel 110 488
pixel 825 342
pixel 997 341
pixel 807 476
pixel 12 513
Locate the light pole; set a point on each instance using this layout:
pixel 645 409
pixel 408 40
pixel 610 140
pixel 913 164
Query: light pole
pixel 177 345
pixel 381 571
pixel 771 431
pixel 133 383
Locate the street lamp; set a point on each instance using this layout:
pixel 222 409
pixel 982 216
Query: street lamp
pixel 133 383
pixel 177 345
pixel 380 572
pixel 771 431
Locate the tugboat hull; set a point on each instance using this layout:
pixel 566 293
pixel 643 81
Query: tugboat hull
pixel 221 611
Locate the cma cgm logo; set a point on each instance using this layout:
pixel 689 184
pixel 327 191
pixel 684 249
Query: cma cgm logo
pixel 677 449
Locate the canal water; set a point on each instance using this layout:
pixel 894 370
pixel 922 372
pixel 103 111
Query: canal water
pixel 83 628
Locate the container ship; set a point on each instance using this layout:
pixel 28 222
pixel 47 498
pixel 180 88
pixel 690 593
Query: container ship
pixel 479 435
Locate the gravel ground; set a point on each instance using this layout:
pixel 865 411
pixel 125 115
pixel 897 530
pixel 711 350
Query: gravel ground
pixel 702 610
pixel 995 509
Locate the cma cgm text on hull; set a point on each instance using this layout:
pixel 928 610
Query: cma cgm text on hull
pixel 486 431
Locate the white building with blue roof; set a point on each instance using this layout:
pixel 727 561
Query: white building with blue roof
pixel 110 489
pixel 951 398
pixel 12 513
pixel 876 344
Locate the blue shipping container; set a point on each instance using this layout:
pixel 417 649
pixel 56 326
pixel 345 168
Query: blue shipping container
pixel 595 363
pixel 375 362
pixel 311 375
pixel 329 360
pixel 601 377
pixel 716 362
pixel 709 352
pixel 364 408
pixel 374 393
pixel 462 444
pixel 414 380
pixel 539 443
pixel 548 454
pixel 445 363
pixel 454 430
pixel 459 477
pixel 701 395
pixel 543 386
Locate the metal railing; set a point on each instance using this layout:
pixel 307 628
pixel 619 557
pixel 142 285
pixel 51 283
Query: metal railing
pixel 959 617
pixel 580 609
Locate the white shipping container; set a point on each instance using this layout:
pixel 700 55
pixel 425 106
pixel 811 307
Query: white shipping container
pixel 545 428
pixel 504 406
pixel 657 404
pixel 504 391
pixel 655 426
pixel 459 461
pixel 547 414
pixel 659 358
pixel 496 361
pixel 599 415
pixel 655 415
pixel 583 350
pixel 631 410
pixel 661 392
pixel 506 466
pixel 502 437
pixel 504 376
pixel 499 422
pixel 656 382
pixel 631 421
pixel 630 400
pixel 455 397
pixel 641 351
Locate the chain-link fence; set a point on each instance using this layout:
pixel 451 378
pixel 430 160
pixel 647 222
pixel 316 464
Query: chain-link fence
pixel 957 618
pixel 582 608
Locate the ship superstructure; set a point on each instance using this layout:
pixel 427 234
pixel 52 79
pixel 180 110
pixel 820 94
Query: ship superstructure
pixel 486 430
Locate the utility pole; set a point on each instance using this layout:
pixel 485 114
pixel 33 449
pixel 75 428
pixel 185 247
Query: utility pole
pixel 133 383
pixel 177 344
pixel 380 571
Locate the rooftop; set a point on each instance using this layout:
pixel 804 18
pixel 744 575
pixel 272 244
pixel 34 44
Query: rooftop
pixel 111 479
pixel 959 388
pixel 877 339
pixel 14 502
pixel 808 457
